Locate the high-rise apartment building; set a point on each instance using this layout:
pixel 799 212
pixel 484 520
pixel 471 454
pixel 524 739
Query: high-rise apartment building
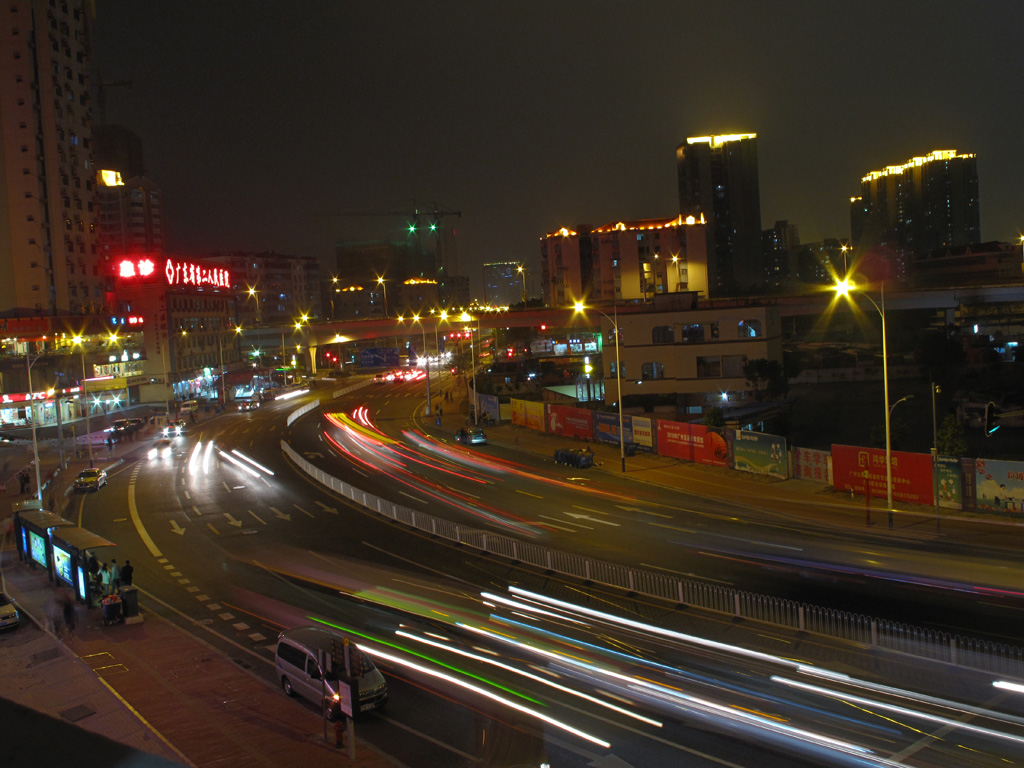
pixel 130 215
pixel 910 210
pixel 48 246
pixel 504 283
pixel 271 288
pixel 718 179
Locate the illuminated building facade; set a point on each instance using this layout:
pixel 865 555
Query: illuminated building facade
pixel 503 283
pixel 48 252
pixel 624 261
pixel 188 313
pixel 131 219
pixel 718 179
pixel 272 288
pixel 910 210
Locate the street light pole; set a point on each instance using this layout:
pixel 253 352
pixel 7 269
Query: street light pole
pixel 618 374
pixel 426 357
pixel 32 406
pixel 80 341
pixel 843 288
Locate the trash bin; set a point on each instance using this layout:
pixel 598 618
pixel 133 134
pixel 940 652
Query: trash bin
pixel 130 601
pixel 112 610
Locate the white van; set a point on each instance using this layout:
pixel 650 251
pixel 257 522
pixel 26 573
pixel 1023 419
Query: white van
pixel 295 659
pixel 189 406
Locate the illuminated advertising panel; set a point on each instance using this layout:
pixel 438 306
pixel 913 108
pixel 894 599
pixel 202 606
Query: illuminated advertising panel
pixel 862 470
pixel 37 548
pixel 172 272
pixel 82 583
pixel 62 564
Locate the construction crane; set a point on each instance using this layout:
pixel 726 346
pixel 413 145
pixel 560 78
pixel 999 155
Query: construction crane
pixel 434 215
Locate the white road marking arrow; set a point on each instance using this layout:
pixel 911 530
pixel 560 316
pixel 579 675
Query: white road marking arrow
pixel 177 528
pixel 281 515
pixel 325 508
pixel 232 520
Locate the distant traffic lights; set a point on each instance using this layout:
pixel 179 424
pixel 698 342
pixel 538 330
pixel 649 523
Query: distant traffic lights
pixel 991 419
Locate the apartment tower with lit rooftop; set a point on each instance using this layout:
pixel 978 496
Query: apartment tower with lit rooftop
pixel 718 178
pixel 910 210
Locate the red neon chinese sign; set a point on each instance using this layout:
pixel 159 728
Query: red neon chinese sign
pixel 175 272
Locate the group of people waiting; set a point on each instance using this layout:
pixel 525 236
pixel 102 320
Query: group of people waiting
pixel 106 578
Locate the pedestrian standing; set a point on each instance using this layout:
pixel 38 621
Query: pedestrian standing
pixel 68 610
pixel 115 575
pixel 104 579
pixel 127 573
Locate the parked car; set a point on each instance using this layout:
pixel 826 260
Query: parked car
pixel 471 436
pixel 91 479
pixel 174 428
pixel 9 617
pixel 135 423
pixel 118 425
pixel 295 659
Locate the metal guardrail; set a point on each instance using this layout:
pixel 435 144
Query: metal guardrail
pixel 996 658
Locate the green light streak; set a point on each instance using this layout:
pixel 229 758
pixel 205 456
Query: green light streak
pixel 432 660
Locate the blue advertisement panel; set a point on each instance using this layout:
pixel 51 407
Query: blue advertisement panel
pixel 489 405
pixel 949 482
pixel 999 486
pixel 379 357
pixel 606 428
pixel 760 454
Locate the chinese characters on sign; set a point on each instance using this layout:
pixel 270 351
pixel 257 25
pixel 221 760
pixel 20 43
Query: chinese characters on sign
pixel 175 272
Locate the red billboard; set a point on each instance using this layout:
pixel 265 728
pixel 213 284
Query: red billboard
pixel 570 422
pixel 692 442
pixel 854 467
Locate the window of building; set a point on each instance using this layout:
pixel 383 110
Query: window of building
pixel 692 334
pixel 732 366
pixel 651 371
pixel 709 367
pixel 612 369
pixel 749 329
pixel 663 334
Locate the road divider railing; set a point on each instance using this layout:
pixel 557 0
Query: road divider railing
pixel 936 645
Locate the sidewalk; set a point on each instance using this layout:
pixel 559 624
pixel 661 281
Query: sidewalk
pixel 147 694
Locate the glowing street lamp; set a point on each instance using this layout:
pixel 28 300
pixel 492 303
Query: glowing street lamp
pixel 384 288
pixel 618 371
pixel 522 276
pixel 844 288
pixel 423 330
pixel 465 318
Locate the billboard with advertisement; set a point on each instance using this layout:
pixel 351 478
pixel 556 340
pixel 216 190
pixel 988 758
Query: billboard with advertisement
pixel 37 548
pixel 949 482
pixel 528 413
pixel 62 564
pixel 606 428
pixel 379 357
pixel 570 422
pixel 692 442
pixel 760 454
pixel 642 428
pixel 811 464
pixel 999 486
pixel 863 470
pixel 489 405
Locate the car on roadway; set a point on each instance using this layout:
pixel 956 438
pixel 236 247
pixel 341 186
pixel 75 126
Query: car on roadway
pixel 248 405
pixel 9 618
pixel 471 436
pixel 379 378
pixel 162 447
pixel 174 428
pixel 91 479
pixel 119 425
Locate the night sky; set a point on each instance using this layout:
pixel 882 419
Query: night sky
pixel 262 121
